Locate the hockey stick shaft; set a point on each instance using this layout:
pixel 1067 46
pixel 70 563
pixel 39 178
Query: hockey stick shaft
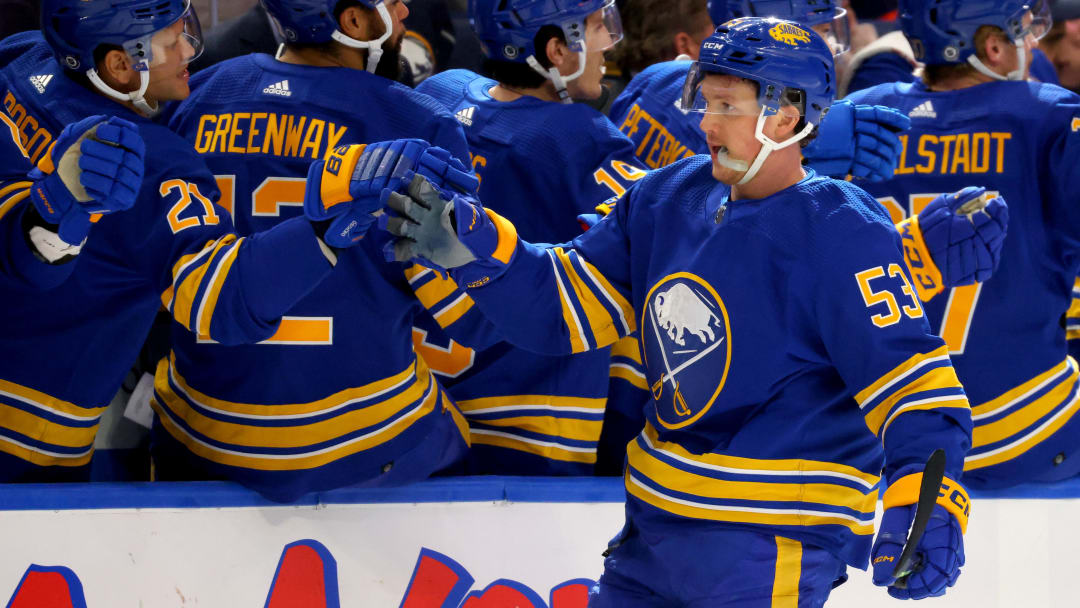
pixel 933 474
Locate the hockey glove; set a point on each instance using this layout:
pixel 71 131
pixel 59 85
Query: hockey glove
pixel 449 231
pixel 858 140
pixel 940 552
pixel 588 220
pixel 955 240
pixel 94 167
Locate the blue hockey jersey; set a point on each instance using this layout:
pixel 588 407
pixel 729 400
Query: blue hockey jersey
pixel 647 111
pixel 786 351
pixel 338 392
pixel 1006 336
pixel 540 164
pixel 69 333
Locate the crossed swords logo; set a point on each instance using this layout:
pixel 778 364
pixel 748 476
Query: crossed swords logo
pixel 670 376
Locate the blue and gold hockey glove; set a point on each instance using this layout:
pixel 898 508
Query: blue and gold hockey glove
pixel 955 240
pixel 94 167
pixel 448 231
pixel 344 189
pixel 858 140
pixel 940 552
pixel 588 220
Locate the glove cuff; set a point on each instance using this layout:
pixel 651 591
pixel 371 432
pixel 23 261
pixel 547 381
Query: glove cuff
pixel 952 496
pixel 927 276
pixel 497 260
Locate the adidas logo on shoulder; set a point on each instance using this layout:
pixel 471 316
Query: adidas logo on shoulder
pixel 465 116
pixel 279 88
pixel 923 110
pixel 41 81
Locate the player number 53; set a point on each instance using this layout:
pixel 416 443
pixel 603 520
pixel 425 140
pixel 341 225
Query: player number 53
pixel 884 295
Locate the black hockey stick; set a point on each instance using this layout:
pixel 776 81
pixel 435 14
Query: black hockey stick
pixel 933 473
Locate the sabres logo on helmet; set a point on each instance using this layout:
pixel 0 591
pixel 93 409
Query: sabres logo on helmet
pixel 789 34
pixel 687 347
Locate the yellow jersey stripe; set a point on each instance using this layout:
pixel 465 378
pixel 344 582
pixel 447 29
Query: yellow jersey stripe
pixel 554 426
pixel 617 301
pixel 544 449
pixel 185 292
pixel 1025 443
pixel 899 373
pixel 47 431
pixel 631 375
pixel 455 413
pixel 787 573
pixel 601 325
pixel 985 434
pixel 41 457
pixel 15 136
pixel 628 347
pixel 1018 394
pixel 208 303
pixel 930 403
pixel 10 203
pixel 747 515
pixel 368 392
pixel 752 466
pixel 687 482
pixel 453 311
pixel 50 404
pixel 289 462
pixel 435 291
pixel 509 403
pixel 938 377
pixel 578 343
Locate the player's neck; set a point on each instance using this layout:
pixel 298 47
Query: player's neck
pixel 782 170
pixel 502 92
pixel 960 82
pixel 343 57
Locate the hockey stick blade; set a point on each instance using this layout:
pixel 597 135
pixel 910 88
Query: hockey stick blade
pixel 933 474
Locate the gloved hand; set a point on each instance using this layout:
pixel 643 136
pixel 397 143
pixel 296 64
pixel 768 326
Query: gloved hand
pixel 448 231
pixel 858 140
pixel 345 191
pixel 588 220
pixel 94 167
pixel 955 240
pixel 940 552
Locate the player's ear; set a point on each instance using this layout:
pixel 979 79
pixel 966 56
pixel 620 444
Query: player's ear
pixel 786 120
pixel 995 48
pixel 116 70
pixel 358 23
pixel 558 53
pixel 684 44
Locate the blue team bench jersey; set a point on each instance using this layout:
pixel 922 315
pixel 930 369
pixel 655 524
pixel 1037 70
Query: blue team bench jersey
pixel 786 352
pixel 647 111
pixel 65 349
pixel 1006 336
pixel 540 164
pixel 338 392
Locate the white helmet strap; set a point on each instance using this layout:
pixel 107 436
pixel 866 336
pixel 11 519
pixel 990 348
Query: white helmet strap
pixel 135 97
pixel 555 77
pixel 768 145
pixel 374 47
pixel 1017 74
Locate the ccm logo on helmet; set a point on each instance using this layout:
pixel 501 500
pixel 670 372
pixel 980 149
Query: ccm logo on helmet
pixel 716 46
pixel 789 34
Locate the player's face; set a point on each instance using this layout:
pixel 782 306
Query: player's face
pixel 598 38
pixel 398 12
pixel 729 125
pixel 169 74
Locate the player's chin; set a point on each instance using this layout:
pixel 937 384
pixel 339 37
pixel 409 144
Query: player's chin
pixel 724 174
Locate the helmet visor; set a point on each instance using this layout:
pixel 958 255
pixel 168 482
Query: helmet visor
pixel 836 32
pixel 181 39
pixel 1037 20
pixel 603 29
pixel 707 92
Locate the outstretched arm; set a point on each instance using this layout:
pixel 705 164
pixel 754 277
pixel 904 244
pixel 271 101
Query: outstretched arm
pixel 549 299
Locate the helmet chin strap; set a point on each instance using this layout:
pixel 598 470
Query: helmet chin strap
pixel 1017 74
pixel 135 97
pixel 555 77
pixel 768 145
pixel 373 47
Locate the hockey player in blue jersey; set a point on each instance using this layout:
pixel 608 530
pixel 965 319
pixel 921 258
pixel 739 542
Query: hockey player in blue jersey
pixel 337 396
pixel 543 161
pixel 64 351
pixel 860 141
pixel 789 359
pixel 976 121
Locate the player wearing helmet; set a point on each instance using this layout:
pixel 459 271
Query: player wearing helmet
pixel 339 397
pixel 544 162
pixel 65 350
pixel 791 367
pixel 975 121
